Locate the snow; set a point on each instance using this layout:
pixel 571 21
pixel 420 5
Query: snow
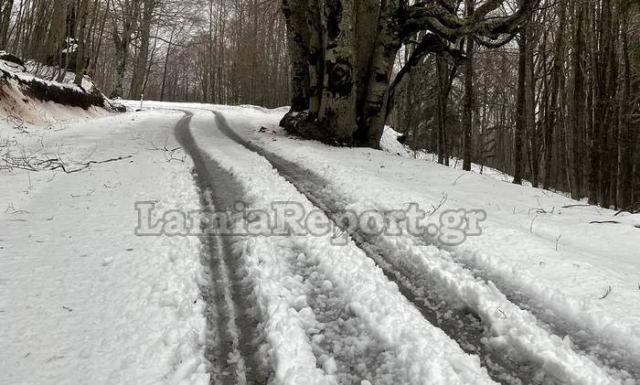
pixel 82 299
pixel 49 72
pixel 284 270
pixel 389 143
pixel 17 109
pixel 535 244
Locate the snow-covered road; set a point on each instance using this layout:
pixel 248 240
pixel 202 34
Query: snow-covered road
pixel 82 298
pixel 295 308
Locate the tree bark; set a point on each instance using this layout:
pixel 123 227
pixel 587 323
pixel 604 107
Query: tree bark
pixel 139 69
pixel 387 45
pixel 578 103
pixel 552 118
pixel 82 42
pixel 467 116
pixel 338 105
pixel 343 53
pixel 122 41
pixel 297 36
pixel 521 118
pixel 5 17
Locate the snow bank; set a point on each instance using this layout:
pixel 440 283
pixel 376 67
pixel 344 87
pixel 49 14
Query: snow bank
pixel 26 98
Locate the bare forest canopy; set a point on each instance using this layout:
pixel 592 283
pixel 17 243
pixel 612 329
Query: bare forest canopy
pixel 546 90
pixel 215 51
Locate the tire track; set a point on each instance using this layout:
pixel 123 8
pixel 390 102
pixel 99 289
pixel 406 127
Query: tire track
pixel 462 325
pixel 343 345
pixel 341 342
pixel 231 318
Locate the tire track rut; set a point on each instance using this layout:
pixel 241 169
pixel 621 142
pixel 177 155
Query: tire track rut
pixel 462 325
pixel 230 314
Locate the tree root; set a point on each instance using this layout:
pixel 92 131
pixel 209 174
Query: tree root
pixel 304 125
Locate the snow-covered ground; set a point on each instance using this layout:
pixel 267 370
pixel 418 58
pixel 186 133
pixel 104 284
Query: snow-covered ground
pixel 292 274
pixel 82 298
pixel 390 144
pixel 578 275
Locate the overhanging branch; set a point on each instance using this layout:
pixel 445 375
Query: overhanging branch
pixel 430 43
pixel 440 17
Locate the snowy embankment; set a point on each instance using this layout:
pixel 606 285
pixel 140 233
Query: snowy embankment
pixel 573 271
pixel 27 99
pixel 82 298
pixel 329 314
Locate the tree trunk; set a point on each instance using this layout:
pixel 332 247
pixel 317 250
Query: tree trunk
pixel 579 97
pixel 387 45
pixel 297 35
pixel 338 106
pixel 552 119
pixel 521 117
pixel 5 17
pixel 444 87
pixel 343 52
pixel 82 42
pixel 467 116
pixel 122 41
pixel 139 70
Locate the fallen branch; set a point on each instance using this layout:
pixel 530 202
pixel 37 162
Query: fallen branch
pixel 169 153
pixel 12 210
pixel 444 199
pixel 571 206
pixel 88 164
pixel 31 163
pixel 606 294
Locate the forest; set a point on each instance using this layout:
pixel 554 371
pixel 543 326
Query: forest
pixel 320 192
pixel 548 93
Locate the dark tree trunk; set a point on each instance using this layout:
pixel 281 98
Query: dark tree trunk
pixel 552 119
pixel 5 16
pixel 343 52
pixel 521 118
pixel 140 67
pixel 579 97
pixel 467 115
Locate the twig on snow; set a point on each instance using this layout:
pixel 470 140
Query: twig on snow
pixel 532 221
pixel 169 152
pixel 444 199
pixel 606 294
pixel 12 210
